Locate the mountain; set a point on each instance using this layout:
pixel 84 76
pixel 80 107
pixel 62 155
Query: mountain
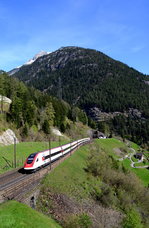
pixel 87 78
pixel 113 94
pixel 42 53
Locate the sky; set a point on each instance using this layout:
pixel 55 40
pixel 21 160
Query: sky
pixel 118 28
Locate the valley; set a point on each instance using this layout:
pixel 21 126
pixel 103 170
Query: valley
pixel 74 114
pixel 67 95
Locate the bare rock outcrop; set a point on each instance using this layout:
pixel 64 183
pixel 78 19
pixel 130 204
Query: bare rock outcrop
pixel 7 138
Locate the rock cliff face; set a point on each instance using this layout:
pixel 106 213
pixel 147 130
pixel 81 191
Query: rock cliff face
pixel 7 138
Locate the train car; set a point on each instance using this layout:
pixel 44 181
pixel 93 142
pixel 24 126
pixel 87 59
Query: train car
pixel 40 159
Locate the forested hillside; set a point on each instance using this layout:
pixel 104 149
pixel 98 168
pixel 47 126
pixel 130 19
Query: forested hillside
pixel 90 79
pixel 32 111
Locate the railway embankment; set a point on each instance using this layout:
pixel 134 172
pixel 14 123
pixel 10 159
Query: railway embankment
pixel 91 188
pixel 15 184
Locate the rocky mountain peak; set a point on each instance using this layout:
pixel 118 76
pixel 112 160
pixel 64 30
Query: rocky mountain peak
pixel 29 62
pixel 41 53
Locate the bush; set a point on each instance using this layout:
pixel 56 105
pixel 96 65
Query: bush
pixel 132 220
pixel 78 221
pixel 108 197
pixel 97 163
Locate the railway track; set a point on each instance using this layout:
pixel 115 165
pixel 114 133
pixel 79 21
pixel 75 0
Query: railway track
pixel 10 176
pixel 14 186
pixel 16 183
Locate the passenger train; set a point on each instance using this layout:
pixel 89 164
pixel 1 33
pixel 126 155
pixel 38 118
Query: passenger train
pixel 40 159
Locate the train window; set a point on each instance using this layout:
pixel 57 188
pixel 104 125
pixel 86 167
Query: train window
pixel 32 155
pixel 37 160
pixel 29 160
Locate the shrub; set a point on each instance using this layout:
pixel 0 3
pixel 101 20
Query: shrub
pixel 78 221
pixel 132 220
pixel 108 197
pixel 97 163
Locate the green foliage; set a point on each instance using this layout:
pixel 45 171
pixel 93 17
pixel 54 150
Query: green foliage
pixel 83 117
pixel 121 188
pixel 79 115
pixel 93 173
pixel 25 130
pixel 17 111
pixel 46 127
pixel 30 107
pixel 78 221
pixel 132 220
pixel 91 123
pixel 97 162
pixel 103 127
pixel 134 129
pixel 141 173
pixel 50 112
pixel 30 112
pixel 107 196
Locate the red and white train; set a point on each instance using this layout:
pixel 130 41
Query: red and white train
pixel 40 159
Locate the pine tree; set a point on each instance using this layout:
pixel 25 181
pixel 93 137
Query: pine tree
pixel 50 113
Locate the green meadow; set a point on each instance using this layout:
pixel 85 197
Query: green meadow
pixel 26 148
pixel 70 177
pixel 71 171
pixel 18 215
pixel 23 150
pixel 110 144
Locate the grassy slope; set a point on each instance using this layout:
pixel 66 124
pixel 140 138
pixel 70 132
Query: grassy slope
pixel 22 151
pixel 109 144
pixel 143 174
pixel 69 175
pixel 72 171
pixel 70 178
pixel 142 164
pixel 17 215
